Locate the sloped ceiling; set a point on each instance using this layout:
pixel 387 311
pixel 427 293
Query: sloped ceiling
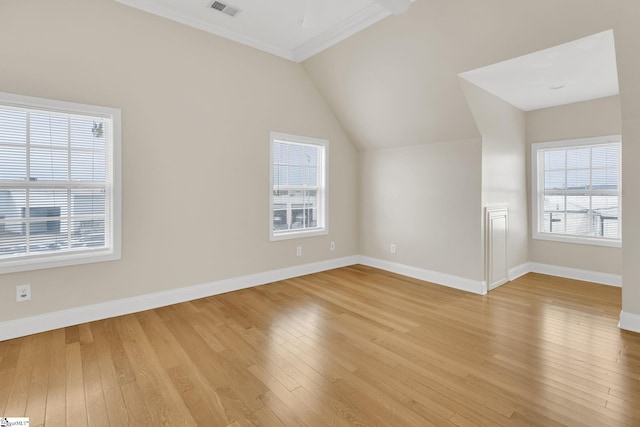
pixel 292 29
pixel 396 83
pixel 580 70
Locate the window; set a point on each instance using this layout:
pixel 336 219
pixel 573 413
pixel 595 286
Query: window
pixel 577 191
pixel 59 183
pixel 298 186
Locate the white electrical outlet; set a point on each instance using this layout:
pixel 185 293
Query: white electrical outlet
pixel 392 248
pixel 332 246
pixel 299 251
pixel 23 293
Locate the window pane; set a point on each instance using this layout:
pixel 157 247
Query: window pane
pixel 49 130
pixel 11 203
pixel 88 166
pixel 48 236
pixel 87 233
pixel 13 127
pixel 606 210
pixel 578 158
pixel 311 156
pixel 606 156
pixel 554 180
pixel 280 217
pixel 553 203
pixel 88 133
pixel 88 203
pixel 280 153
pixel 578 179
pixel 554 222
pixel 279 175
pixel 604 179
pixel 13 163
pixel 296 154
pixel 45 203
pixel 311 176
pixel 12 238
pixel 579 216
pixel 48 164
pixel 554 159
pixel 296 175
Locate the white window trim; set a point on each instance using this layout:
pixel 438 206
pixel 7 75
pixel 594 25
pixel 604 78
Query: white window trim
pixel 323 188
pixel 537 185
pixel 51 260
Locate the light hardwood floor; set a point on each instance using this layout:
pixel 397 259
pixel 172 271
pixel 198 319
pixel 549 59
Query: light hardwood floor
pixel 352 346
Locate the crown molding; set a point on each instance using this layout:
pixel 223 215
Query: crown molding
pixel 350 26
pixel 345 29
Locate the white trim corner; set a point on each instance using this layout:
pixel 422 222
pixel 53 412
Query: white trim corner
pixel 519 270
pixel 577 274
pixel 462 283
pixel 629 321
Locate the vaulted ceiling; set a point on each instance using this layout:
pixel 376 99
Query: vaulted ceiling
pixel 292 29
pixel 395 81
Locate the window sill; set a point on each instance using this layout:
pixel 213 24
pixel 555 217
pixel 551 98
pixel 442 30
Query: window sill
pixel 299 234
pixel 578 240
pixel 61 260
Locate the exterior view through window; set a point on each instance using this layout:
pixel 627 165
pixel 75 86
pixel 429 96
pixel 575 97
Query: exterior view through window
pixel 578 191
pixel 298 193
pixel 56 181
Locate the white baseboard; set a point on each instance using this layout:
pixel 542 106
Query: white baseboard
pixel 457 282
pixel 629 322
pixel 74 316
pixel 566 272
pixel 519 271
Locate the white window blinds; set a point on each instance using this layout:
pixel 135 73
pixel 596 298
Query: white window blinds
pixel 56 183
pixel 298 198
pixel 579 190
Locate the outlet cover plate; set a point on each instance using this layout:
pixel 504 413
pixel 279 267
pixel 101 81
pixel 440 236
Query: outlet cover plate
pixel 23 293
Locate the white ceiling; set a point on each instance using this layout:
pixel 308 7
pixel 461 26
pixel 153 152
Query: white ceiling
pixel 278 26
pixel 577 71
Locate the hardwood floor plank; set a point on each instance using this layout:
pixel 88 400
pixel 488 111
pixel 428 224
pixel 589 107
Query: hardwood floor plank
pixel 284 413
pixel 56 411
pixel 307 414
pixel 268 418
pixel 75 398
pixel 37 398
pixel 113 397
pixel 137 410
pixel 93 390
pixel 17 401
pixel 204 404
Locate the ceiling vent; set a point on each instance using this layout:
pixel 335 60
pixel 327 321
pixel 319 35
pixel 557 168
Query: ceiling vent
pixel 227 9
